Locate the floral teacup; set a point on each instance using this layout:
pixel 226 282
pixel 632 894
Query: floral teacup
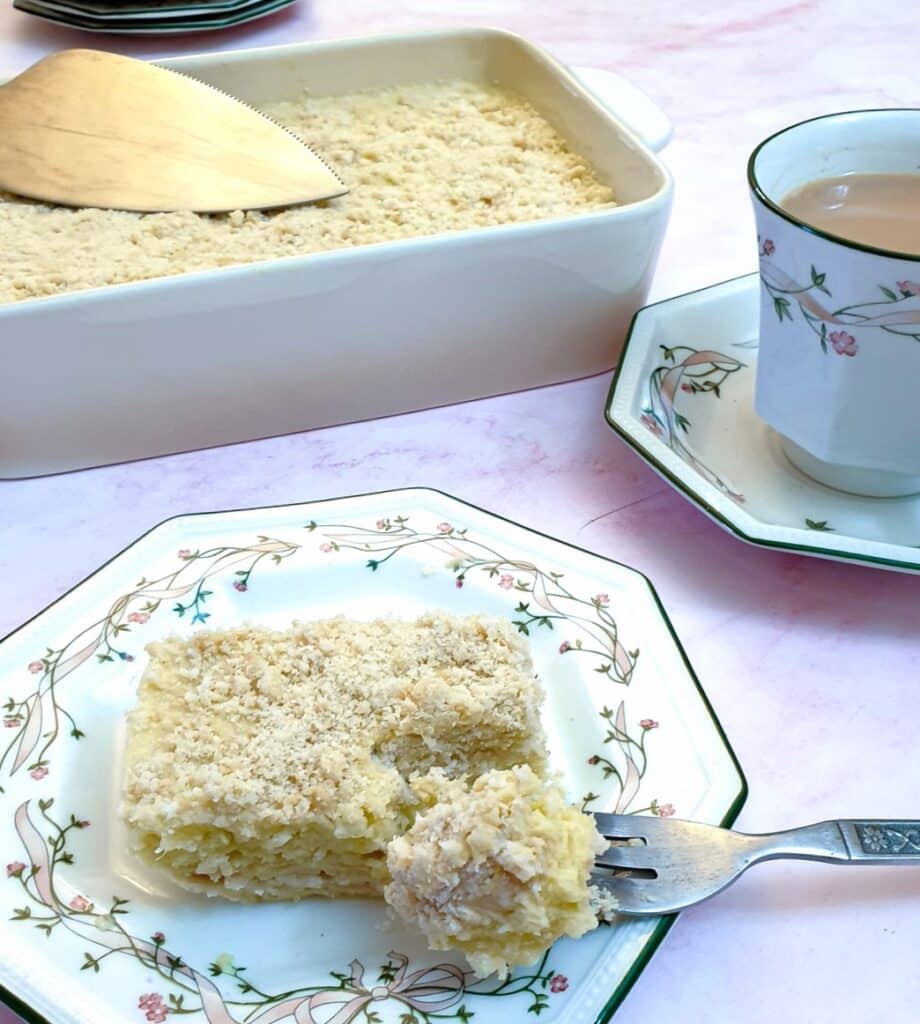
pixel 838 374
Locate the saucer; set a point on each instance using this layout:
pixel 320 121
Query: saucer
pixel 150 19
pixel 683 398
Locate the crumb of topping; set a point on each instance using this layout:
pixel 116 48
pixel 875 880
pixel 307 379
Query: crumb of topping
pixel 603 903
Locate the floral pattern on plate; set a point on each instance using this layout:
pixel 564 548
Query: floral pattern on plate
pixel 693 372
pixel 196 576
pixel 39 716
pixel 715 452
pixel 426 991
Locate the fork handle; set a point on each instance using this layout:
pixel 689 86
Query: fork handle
pixel 845 841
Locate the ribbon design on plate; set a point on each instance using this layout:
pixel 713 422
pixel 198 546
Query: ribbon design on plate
pixel 429 990
pixel 41 706
pixel 465 555
pixel 668 424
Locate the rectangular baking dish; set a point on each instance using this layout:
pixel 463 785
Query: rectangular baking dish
pixel 144 369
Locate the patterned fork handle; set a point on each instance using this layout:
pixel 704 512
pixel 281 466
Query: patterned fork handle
pixel 855 841
pixel 660 866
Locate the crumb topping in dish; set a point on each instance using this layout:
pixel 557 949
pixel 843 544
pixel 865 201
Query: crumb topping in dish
pixel 419 160
pixel 497 868
pixel 265 764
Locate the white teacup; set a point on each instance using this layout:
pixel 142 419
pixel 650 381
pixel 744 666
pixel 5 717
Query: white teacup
pixel 838 373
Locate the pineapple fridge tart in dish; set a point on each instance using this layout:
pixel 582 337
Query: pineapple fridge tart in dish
pixel 419 159
pixel 288 765
pixel 476 166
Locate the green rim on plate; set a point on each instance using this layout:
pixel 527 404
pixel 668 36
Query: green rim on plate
pixel 146 10
pixel 694 496
pixel 150 26
pixel 737 801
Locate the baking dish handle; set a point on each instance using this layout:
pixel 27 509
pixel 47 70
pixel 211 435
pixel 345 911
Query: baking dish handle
pixel 630 104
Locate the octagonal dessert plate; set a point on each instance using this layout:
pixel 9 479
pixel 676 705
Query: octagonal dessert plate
pixel 87 936
pixel 683 399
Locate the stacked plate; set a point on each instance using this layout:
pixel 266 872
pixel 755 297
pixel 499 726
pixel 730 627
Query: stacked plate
pixel 150 17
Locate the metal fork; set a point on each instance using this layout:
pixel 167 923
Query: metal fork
pixel 661 865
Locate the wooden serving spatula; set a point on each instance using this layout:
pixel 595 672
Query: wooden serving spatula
pixel 87 128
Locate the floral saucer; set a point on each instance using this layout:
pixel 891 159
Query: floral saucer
pixel 87 937
pixel 683 398
pixel 150 19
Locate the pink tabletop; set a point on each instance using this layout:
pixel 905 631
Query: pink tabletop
pixel 813 667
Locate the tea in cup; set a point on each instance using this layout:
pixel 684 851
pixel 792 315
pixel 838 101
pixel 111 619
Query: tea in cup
pixel 837 205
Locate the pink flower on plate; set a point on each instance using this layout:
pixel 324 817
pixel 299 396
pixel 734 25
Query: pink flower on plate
pixel 844 343
pixel 12 722
pixel 686 386
pixel 15 869
pixel 602 598
pixel 159 938
pixel 649 421
pixel 558 983
pixel 153 1006
pixel 39 773
pixel 565 647
pixel 36 666
pixel 139 617
pixel 240 586
pixel 459 582
pixel 381 524
pixel 183 553
pixel 593 760
pixel 768 247
pixel 83 823
pixel 445 528
pixel 648 723
pixel 80 904
pixel 326 547
pixel 665 810
pixel 506 582
pixel 910 287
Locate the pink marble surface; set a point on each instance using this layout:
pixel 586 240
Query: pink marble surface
pixel 812 666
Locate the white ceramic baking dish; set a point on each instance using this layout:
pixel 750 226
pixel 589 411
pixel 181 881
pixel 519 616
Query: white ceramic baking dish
pixel 208 358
